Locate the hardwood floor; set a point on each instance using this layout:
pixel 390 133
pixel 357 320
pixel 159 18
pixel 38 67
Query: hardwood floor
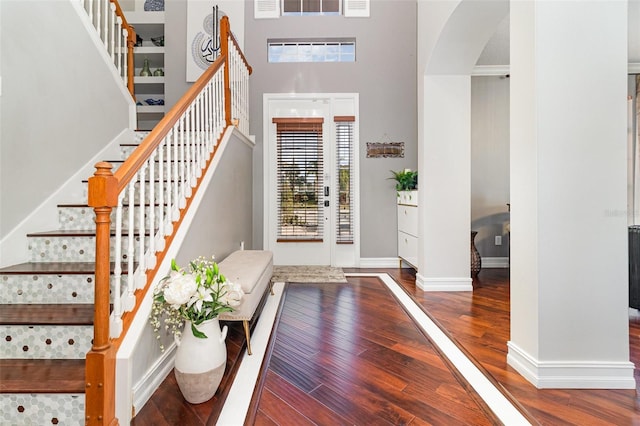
pixel 348 354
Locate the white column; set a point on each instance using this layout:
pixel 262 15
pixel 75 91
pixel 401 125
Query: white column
pixel 569 271
pixel 444 162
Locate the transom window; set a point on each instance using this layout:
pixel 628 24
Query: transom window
pixel 307 7
pixel 326 50
pixel 269 9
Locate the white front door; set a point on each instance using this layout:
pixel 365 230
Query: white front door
pixel 302 207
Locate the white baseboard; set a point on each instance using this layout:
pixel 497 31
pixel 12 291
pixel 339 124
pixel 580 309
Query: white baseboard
pixel 144 389
pixel 379 262
pixel 495 262
pixel 571 374
pixel 393 262
pixel 443 283
pixel 14 246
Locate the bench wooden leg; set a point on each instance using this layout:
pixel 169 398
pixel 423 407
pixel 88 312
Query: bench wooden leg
pixel 245 323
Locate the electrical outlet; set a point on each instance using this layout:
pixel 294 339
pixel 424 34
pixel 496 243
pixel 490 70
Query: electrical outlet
pixel 498 240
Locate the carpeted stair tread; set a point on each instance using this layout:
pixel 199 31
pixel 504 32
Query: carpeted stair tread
pixel 42 376
pixel 59 268
pixel 37 314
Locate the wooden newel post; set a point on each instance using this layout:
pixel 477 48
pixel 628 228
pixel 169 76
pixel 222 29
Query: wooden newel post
pixel 100 362
pixel 224 51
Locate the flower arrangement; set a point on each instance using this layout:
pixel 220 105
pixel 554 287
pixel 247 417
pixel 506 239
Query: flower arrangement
pixel 198 295
pixel 406 180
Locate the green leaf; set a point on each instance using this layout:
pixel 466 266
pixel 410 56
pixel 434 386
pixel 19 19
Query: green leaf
pixel 174 266
pixel 199 334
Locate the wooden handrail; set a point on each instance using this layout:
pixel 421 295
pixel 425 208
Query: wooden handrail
pixel 104 190
pixel 129 168
pixel 131 41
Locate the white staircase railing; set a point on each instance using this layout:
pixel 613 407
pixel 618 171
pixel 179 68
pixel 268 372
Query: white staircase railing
pixel 164 171
pixel 116 34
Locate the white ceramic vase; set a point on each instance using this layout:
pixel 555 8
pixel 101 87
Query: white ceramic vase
pixel 200 363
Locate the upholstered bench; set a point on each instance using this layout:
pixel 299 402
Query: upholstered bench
pixel 252 269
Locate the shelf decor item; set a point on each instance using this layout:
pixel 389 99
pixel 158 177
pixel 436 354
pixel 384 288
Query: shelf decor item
pixel 195 298
pixel 145 71
pixel 154 5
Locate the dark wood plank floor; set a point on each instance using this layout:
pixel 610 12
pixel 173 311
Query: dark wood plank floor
pixel 347 355
pixel 479 321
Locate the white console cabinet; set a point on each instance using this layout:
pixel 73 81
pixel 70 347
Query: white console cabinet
pixel 408 227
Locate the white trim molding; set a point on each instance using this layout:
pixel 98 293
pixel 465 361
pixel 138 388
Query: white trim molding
pixel 503 70
pixel 495 262
pixel 571 374
pixel 379 262
pixel 443 283
pixel 490 70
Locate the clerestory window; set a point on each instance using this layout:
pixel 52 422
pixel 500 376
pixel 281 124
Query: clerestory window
pixel 317 50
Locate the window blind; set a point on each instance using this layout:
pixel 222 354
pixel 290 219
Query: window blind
pixel 344 184
pixel 299 179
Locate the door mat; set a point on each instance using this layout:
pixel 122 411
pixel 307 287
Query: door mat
pixel 307 274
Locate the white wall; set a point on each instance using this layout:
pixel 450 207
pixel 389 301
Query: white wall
pixel 569 272
pixel 490 165
pixel 60 103
pixel 384 76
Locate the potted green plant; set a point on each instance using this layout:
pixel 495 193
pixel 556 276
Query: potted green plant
pixel 406 180
pixel 406 185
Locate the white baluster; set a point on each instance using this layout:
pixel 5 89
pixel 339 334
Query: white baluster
pixel 176 175
pixel 162 185
pixel 90 12
pixel 111 47
pixel 189 152
pixel 128 300
pixel 122 55
pixel 131 286
pixel 115 320
pixel 119 55
pixel 141 276
pixel 151 257
pixel 167 206
pixel 199 138
pixel 104 22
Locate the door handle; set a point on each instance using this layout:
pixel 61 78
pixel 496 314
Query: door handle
pixel 326 191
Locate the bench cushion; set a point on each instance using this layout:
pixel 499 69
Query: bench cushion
pixel 245 267
pixel 252 269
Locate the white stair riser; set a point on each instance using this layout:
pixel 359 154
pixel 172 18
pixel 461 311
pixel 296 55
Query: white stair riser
pixel 42 409
pixel 80 218
pixel 45 341
pixel 48 289
pixel 73 249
